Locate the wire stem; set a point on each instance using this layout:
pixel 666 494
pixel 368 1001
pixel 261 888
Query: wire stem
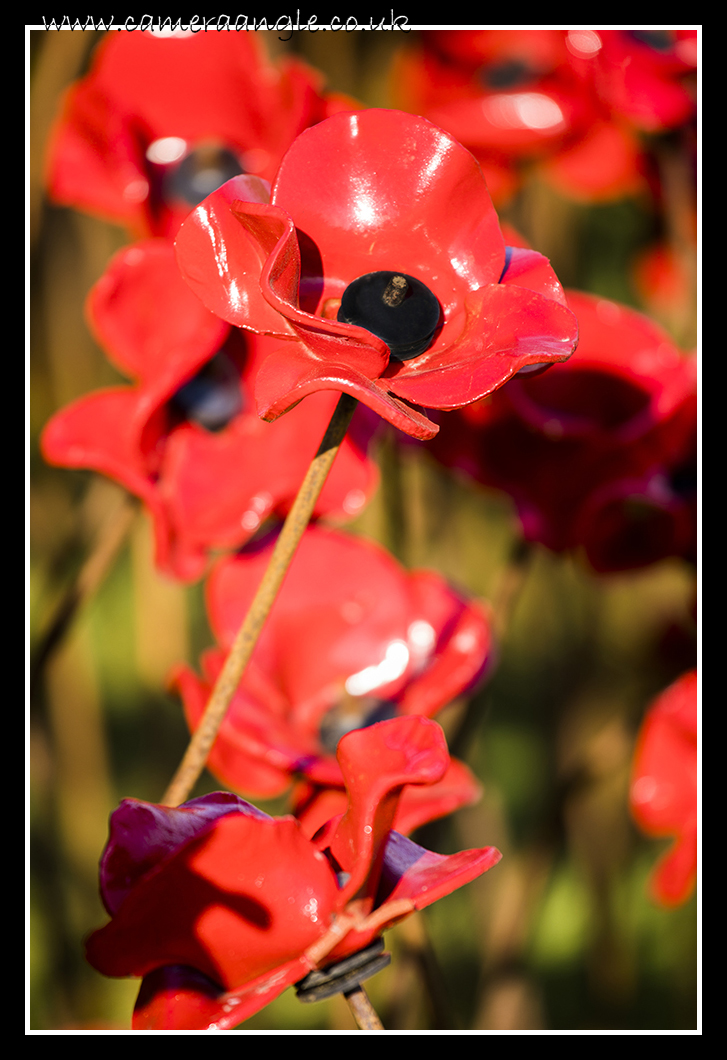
pixel 293 529
pixel 363 1011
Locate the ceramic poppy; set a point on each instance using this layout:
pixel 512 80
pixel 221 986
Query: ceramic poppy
pixel 598 453
pixel 185 437
pixel 646 76
pixel 160 121
pixel 664 787
pixel 524 98
pixel 351 639
pixel 378 262
pixel 220 907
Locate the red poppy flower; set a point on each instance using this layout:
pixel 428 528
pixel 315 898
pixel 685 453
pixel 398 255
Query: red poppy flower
pixel 599 452
pixel 643 75
pixel 523 97
pixel 352 638
pixel 664 786
pixel 184 437
pixel 162 120
pixel 221 907
pixel 379 262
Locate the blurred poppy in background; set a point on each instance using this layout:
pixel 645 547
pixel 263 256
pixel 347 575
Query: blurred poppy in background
pixel 571 103
pixel 664 787
pixel 599 452
pixel 185 438
pixel 352 639
pixel 161 121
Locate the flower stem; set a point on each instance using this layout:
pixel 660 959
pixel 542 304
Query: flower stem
pixel 110 539
pixel 363 1011
pixel 293 529
pixel 505 596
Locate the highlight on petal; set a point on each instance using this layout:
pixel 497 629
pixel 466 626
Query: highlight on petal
pixel 216 252
pixel 369 642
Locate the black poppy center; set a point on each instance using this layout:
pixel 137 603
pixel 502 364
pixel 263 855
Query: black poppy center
pixel 506 74
pixel 201 172
pixel 660 40
pixel 344 719
pixel 397 308
pixel 212 397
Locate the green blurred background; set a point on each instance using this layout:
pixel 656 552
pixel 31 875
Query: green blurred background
pixel 560 935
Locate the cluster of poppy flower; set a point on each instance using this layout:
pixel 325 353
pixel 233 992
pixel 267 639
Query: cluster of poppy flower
pixel 586 111
pixel 373 265
pixel 599 453
pixel 572 103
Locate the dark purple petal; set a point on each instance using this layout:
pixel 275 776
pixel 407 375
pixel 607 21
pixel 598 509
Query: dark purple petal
pixel 142 834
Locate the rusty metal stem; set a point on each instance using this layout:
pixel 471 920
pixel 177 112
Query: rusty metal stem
pixel 201 743
pixel 363 1011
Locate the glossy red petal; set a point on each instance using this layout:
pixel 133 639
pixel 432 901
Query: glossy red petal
pixel 363 599
pixel 464 646
pixel 376 764
pixel 290 374
pixel 216 250
pixel 418 805
pixel 527 268
pixel 423 877
pixel 236 902
pixel 143 835
pixel 247 754
pixel 421 804
pixel 524 328
pixel 221 486
pixel 176 997
pixel 383 190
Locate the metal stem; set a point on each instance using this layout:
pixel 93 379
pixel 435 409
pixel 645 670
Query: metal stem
pixel 363 1011
pixel 293 529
